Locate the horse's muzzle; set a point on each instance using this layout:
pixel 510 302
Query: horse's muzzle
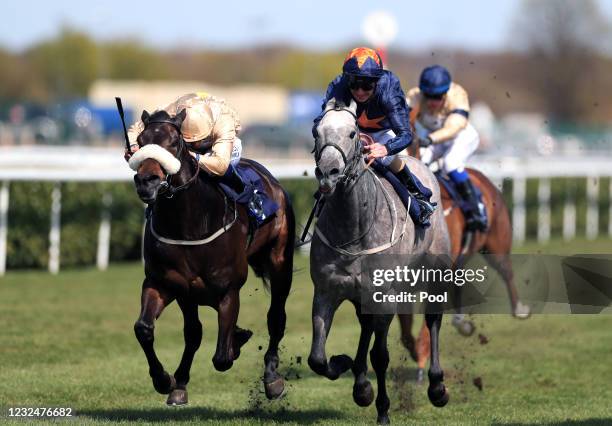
pixel 147 187
pixel 327 180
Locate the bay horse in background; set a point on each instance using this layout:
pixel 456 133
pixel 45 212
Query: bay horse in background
pixel 197 250
pixel 496 242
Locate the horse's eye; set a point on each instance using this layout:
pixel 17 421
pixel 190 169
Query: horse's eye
pixel 352 135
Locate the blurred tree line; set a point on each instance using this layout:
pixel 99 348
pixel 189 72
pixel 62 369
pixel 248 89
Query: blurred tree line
pixel 557 64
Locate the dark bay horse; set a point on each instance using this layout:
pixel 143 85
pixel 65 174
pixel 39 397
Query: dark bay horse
pixel 197 251
pixel 363 215
pixel 496 242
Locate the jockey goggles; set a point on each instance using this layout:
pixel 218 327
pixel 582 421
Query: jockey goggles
pixel 434 97
pixel 365 84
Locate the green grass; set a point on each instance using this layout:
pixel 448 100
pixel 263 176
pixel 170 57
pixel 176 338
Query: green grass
pixel 67 340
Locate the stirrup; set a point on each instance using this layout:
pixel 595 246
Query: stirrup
pixel 256 207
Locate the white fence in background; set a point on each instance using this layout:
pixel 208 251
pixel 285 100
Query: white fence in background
pixel 62 164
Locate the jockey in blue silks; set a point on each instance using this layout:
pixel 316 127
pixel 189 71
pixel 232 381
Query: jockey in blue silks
pixel 383 114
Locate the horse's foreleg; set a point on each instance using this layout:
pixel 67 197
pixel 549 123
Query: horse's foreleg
pixel 436 391
pixel 192 332
pixel 363 395
pixel 379 356
pixel 227 317
pixel 323 312
pixel 153 303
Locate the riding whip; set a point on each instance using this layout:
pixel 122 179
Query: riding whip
pixel 120 109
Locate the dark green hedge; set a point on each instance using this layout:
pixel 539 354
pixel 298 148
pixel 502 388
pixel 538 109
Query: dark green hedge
pixel 82 205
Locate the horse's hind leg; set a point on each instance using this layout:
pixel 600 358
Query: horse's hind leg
pixel 379 356
pixel 153 303
pixel 280 271
pixel 323 311
pixel 405 322
pixel 437 393
pixel 192 332
pixel 363 395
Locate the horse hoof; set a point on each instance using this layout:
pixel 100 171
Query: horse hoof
pixel 274 389
pixel 241 336
pixel 222 364
pixel 521 311
pixel 383 420
pixel 177 397
pixel 465 327
pixel 437 398
pixel 166 385
pixel 339 364
pixel 363 394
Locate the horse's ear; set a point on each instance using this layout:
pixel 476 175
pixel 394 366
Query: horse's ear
pixel 180 117
pixel 331 104
pixel 145 117
pixel 353 106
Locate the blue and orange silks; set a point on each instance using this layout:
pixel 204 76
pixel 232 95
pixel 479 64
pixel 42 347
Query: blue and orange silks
pixel 385 110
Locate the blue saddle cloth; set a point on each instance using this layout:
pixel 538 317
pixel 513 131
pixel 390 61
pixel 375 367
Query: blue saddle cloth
pixel 400 189
pixel 252 182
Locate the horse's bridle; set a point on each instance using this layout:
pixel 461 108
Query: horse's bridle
pixel 350 164
pixel 166 188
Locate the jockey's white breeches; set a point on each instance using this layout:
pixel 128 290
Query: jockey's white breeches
pixel 454 152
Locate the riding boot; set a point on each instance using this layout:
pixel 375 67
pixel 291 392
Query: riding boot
pixel 417 189
pixel 476 217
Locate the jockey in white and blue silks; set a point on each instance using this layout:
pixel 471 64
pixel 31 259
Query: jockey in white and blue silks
pixel 383 114
pixel 440 109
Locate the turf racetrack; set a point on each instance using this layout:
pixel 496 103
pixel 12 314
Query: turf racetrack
pixel 67 341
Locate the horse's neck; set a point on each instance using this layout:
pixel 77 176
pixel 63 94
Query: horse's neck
pixel 351 210
pixel 190 214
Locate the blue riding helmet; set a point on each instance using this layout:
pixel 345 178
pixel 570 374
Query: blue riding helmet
pixel 363 62
pixel 435 80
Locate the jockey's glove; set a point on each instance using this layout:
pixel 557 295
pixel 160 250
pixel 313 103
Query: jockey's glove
pixel 425 142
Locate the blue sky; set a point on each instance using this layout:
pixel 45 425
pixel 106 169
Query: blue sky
pixel 320 25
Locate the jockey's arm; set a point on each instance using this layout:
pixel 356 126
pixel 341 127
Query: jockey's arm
pixel 457 119
pixel 454 123
pixel 398 114
pixel 218 159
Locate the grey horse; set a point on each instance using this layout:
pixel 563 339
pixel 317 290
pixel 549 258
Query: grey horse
pixel 363 215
